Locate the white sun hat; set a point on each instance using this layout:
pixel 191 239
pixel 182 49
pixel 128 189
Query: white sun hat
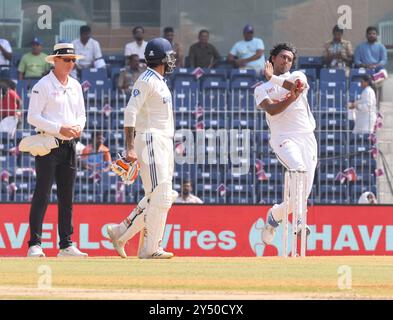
pixel 63 50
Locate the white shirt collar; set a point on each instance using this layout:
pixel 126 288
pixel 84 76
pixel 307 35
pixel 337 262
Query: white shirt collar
pixel 57 83
pixel 156 73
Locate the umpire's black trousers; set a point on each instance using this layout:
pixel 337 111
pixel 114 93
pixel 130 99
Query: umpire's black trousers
pixel 59 166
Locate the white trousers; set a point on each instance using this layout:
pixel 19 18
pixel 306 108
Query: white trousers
pixel 156 159
pixel 295 152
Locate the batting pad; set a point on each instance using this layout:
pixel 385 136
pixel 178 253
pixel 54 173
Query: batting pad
pixel 156 213
pixel 136 219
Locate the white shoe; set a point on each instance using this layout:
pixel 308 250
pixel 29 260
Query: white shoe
pixel 268 231
pixel 35 251
pixel 159 254
pixel 71 251
pixel 114 235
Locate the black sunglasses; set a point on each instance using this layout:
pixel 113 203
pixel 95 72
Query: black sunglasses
pixel 68 59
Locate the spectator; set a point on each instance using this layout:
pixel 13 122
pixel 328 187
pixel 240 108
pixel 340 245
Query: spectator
pixel 89 48
pixel 33 64
pixel 169 34
pixel 96 156
pixel 10 102
pixel 367 198
pixel 203 54
pixel 5 52
pixel 138 46
pixel 371 54
pixel 248 53
pixel 338 52
pixel 365 108
pixel 186 195
pixel 130 74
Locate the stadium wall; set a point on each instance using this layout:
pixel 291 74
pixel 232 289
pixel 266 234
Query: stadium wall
pixel 197 230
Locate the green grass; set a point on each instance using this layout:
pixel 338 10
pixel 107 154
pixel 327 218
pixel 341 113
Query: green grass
pixel 372 277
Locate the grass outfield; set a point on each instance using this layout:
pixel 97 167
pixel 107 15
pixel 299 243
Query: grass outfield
pixel 198 278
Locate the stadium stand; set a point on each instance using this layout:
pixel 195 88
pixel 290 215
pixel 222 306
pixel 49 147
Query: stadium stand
pixel 220 100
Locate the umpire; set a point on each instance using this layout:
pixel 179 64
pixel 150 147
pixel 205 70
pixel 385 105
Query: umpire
pixel 56 108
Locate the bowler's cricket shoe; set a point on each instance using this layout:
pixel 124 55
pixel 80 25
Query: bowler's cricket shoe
pixel 114 234
pixel 159 254
pixel 269 229
pixel 35 251
pixel 299 228
pixel 71 251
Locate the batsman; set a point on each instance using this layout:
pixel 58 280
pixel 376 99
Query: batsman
pixel 149 132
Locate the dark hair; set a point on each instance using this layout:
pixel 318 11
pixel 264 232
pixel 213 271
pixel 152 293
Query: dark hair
pixel 338 29
pixel 168 29
pixel 370 81
pixel 283 46
pixel 84 29
pixel 153 64
pixel 136 28
pixel 133 56
pixel 372 28
pixel 202 31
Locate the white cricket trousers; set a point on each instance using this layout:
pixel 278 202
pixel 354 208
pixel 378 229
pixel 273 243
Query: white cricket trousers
pixel 156 159
pixel 295 152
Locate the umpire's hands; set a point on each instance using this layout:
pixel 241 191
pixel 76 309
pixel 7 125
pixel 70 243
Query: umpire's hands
pixel 69 131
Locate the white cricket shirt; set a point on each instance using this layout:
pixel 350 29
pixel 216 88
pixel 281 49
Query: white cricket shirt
pixel 53 105
pixel 91 52
pixel 6 45
pixel 297 117
pixel 149 109
pixel 134 48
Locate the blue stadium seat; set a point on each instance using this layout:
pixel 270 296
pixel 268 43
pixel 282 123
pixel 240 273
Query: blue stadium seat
pixel 183 74
pixel 214 120
pixel 360 139
pixel 364 165
pixel 331 150
pixel 332 95
pixel 332 75
pixel 355 90
pixel 329 177
pixel 312 95
pixel 332 137
pixel 184 122
pixel 214 95
pixel 114 75
pixel 311 74
pixel 269 191
pixel 241 95
pixel 243 75
pixel 95 120
pixel 93 74
pixel 99 90
pixel 114 60
pixel 185 94
pixel 306 62
pixel 333 194
pixel 214 74
pixel 209 177
pixel 241 120
pixel 356 74
pixel 332 121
